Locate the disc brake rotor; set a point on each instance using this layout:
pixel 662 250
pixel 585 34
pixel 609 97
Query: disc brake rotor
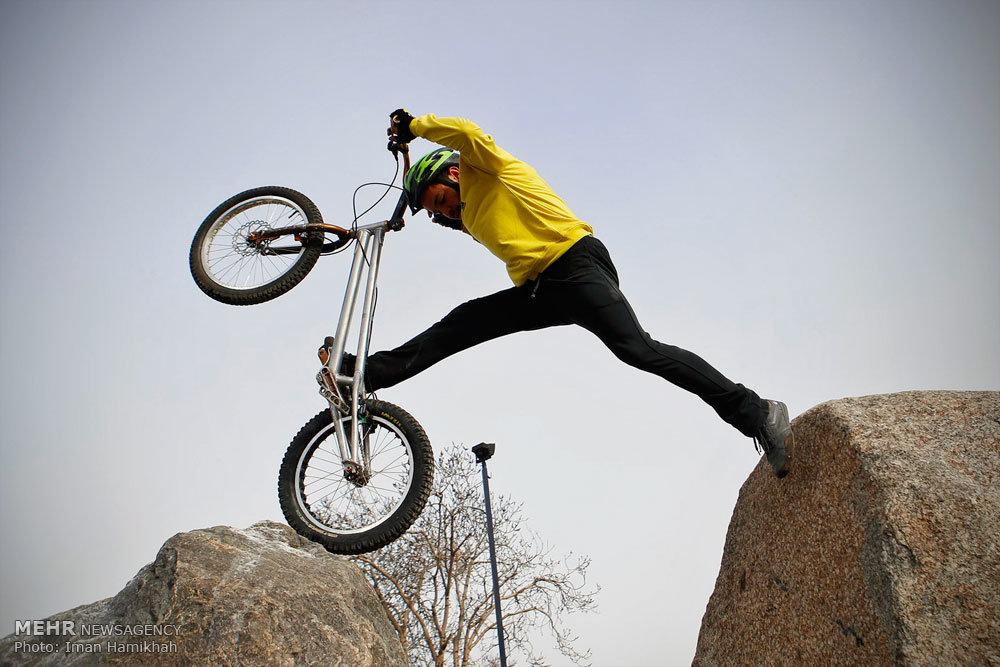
pixel 241 239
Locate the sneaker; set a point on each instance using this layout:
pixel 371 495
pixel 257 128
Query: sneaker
pixel 775 438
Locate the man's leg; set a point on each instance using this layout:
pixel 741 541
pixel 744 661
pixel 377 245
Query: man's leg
pixel 471 323
pixel 584 283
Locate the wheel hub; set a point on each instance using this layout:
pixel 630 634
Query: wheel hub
pixel 356 475
pixel 242 243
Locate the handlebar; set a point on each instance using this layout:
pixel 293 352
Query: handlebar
pixel 396 221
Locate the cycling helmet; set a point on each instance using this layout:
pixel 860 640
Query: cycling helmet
pixel 424 172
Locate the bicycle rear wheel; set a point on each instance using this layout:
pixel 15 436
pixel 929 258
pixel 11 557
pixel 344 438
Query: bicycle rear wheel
pixel 350 513
pixel 230 267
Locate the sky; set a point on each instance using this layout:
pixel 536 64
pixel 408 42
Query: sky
pixel 803 193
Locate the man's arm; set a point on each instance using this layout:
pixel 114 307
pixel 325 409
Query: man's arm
pixel 477 148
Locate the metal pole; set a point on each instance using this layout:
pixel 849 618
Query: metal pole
pixel 483 452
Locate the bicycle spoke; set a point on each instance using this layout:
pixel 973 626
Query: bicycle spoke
pixel 234 261
pixel 346 505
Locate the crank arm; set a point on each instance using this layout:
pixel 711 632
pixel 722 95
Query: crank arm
pixel 327 389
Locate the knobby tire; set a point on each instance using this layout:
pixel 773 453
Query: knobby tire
pixel 289 272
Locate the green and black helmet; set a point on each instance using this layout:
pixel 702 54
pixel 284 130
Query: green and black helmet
pixel 425 172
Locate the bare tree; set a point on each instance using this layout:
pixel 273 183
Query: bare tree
pixel 435 580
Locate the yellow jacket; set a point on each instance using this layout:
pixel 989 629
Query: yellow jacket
pixel 506 205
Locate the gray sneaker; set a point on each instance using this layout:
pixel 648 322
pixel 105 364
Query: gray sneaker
pixel 775 438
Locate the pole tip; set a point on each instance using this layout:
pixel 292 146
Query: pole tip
pixel 484 451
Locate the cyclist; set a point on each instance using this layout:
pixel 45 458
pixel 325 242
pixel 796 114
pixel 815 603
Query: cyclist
pixel 561 273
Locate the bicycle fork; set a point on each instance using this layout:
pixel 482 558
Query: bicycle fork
pixel 354 451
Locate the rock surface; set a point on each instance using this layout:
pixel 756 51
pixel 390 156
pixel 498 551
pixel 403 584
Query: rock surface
pixel 881 546
pixel 222 596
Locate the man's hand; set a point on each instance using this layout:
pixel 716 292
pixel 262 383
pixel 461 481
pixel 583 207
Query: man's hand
pixel 399 127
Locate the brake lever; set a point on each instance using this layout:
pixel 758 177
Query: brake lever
pixel 396 148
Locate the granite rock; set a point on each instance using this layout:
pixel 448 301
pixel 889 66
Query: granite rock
pixel 222 596
pixel 880 547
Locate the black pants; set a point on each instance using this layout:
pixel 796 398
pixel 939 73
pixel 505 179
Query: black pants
pixel 581 287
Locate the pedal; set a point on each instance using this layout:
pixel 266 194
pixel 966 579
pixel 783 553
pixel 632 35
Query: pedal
pixel 324 350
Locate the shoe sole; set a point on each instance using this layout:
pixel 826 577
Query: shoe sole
pixel 789 443
pixel 789 447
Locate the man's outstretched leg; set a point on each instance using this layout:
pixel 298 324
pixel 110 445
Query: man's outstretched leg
pixel 471 323
pixel 585 284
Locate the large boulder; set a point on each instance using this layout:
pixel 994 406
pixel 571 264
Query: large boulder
pixel 880 547
pixel 222 596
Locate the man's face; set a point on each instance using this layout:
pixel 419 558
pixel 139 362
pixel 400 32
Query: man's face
pixel 443 199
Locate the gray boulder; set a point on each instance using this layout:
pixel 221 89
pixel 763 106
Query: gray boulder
pixel 881 546
pixel 222 596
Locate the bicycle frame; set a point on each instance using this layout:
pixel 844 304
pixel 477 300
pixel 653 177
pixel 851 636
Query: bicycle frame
pixel 367 255
pixel 254 247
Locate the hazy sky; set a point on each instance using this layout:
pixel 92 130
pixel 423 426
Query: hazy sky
pixel 804 193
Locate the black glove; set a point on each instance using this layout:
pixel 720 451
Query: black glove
pixel 401 119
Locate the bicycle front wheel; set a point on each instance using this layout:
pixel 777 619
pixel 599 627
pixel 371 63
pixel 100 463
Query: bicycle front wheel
pixel 230 266
pixel 352 512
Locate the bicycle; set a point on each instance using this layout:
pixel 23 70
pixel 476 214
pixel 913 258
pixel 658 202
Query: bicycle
pixel 357 475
